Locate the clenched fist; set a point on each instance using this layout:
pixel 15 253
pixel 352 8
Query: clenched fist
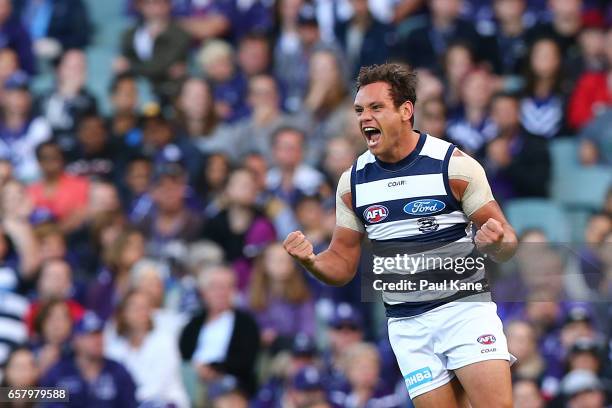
pixel 489 237
pixel 299 247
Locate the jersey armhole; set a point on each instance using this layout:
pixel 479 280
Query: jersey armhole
pixel 445 164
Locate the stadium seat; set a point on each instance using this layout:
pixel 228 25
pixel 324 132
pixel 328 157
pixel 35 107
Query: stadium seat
pixel 538 213
pixel 564 155
pixel 582 187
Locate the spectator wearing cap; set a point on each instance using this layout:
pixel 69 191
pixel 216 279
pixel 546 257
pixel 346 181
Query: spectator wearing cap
pixel 227 394
pixel 280 298
pixel 163 143
pixel 306 388
pixel 364 39
pixel 13 35
pixel 582 389
pixel 64 195
pixel 345 329
pixel 155 48
pixel 199 121
pixel 171 222
pixel 303 353
pixel 364 387
pixel 89 377
pixel 139 344
pixel 20 131
pixel 69 100
pixel 55 26
pixel 241 241
pixel 221 339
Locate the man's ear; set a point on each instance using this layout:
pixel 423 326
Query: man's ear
pixel 406 111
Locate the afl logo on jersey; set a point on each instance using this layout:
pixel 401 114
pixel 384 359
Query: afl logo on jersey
pixel 424 207
pixel 486 339
pixel 375 213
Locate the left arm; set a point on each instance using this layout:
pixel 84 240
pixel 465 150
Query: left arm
pixel 468 181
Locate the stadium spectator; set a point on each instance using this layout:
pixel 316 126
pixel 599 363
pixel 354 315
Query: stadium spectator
pixel 596 140
pixel 471 126
pixel 136 185
pixel 291 176
pixel 582 389
pixel 163 144
pixel 170 222
pixel 522 343
pixel 324 103
pixel 518 164
pixel 458 62
pixel 592 93
pixel 254 133
pixel 123 123
pixel 20 370
pixel 65 196
pixel 299 39
pixel 340 154
pixel 69 100
pixel 14 36
pixel 51 332
pixel 214 179
pixel 361 366
pixel 217 62
pixel 254 55
pixel 280 299
pixel 96 155
pixel 9 64
pixel 89 377
pixel 20 130
pixel 221 339
pixel 155 48
pixel 113 280
pixel 240 228
pixel 591 40
pixel 433 118
pixel 543 104
pixel 364 39
pixel 199 120
pixel 139 344
pixel 508 41
pixel 55 26
pixel 227 394
pixel 585 354
pixel 526 394
pixel 426 44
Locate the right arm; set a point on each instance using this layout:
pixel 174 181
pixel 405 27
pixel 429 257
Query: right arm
pixel 338 264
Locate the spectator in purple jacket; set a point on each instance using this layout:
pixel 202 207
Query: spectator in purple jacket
pixel 90 379
pixel 280 298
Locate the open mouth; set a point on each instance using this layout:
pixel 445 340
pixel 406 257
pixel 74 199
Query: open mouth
pixel 372 135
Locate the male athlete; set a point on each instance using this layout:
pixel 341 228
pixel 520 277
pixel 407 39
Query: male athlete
pixel 409 188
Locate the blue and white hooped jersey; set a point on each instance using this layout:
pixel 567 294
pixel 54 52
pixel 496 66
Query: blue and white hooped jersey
pixel 409 207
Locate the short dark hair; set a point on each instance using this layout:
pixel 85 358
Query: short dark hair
pixel 119 78
pixel 46 144
pixel 401 79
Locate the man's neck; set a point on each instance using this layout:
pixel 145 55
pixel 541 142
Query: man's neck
pixel 403 148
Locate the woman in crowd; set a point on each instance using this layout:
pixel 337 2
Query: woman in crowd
pixel 543 104
pixel 280 298
pixel 149 354
pixel 20 371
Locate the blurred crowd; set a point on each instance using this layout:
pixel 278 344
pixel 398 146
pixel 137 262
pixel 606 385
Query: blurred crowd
pixel 141 261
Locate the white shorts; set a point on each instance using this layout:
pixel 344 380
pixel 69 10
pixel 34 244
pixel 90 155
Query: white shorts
pixel 428 347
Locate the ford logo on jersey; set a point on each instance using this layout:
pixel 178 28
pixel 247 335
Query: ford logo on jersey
pixel 375 213
pixel 424 207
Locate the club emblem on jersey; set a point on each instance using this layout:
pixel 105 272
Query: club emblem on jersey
pixel 428 224
pixel 375 213
pixel 424 207
pixel 486 339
